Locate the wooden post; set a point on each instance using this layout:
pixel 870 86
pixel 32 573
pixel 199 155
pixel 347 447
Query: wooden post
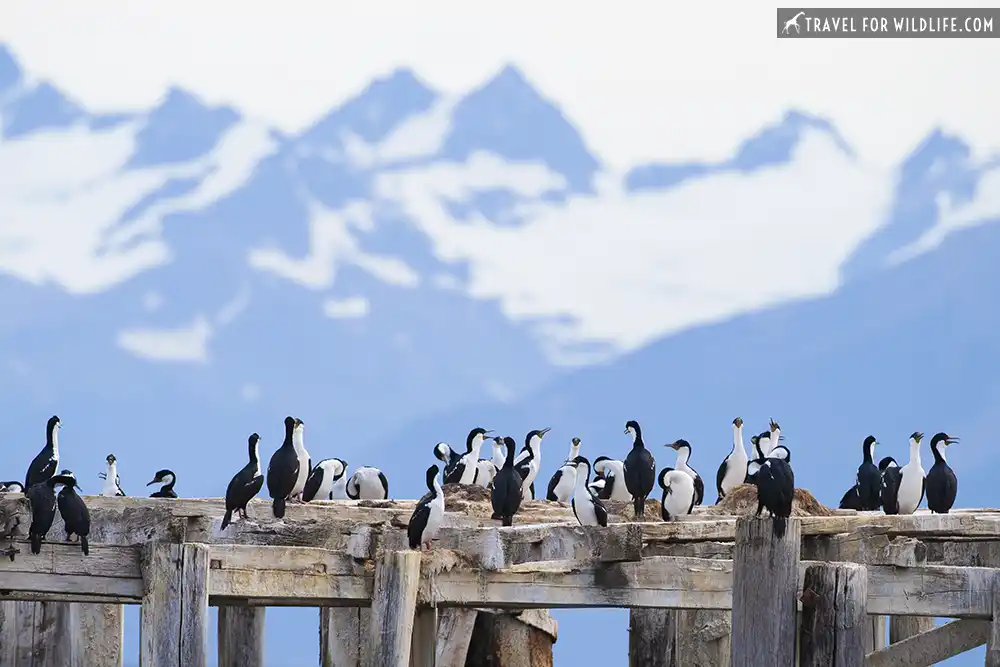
pixel 36 634
pixel 241 636
pixel 702 638
pixel 993 643
pixel 506 640
pixel 904 627
pixel 875 633
pixel 394 602
pixel 455 627
pixel 651 637
pixel 765 592
pixel 343 636
pixel 98 634
pixel 834 598
pixel 174 619
pixel 424 644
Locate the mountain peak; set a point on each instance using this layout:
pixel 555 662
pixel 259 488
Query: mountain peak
pixel 10 72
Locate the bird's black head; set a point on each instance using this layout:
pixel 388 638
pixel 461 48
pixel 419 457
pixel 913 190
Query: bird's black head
pixel 869 441
pixel 475 433
pixel 432 474
pixel 754 439
pixel 66 478
pixel 764 435
pixel 162 477
pixel 943 438
pixel 576 441
pixel 299 422
pixel 498 439
pixel 679 445
pixel 917 436
pixel 887 462
pixel 343 468
pixel 581 461
pixel 538 433
pixel 111 459
pixel 52 424
pixel 774 426
pixel 661 479
pixel 632 426
pixel 738 422
pixel 253 439
pixel 509 443
pixel 289 425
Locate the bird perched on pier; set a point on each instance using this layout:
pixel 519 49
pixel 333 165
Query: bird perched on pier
pixel 776 487
pixel 869 479
pixel 245 484
pixel 322 479
pixel 942 484
pixel 911 479
pixel 587 508
pixel 485 471
pixel 464 471
pixel 613 473
pixel 733 470
pixel 368 483
pixel 683 448
pixel 758 457
pixel 283 471
pixel 639 469
pixel 167 478
pixel 506 494
pixel 305 461
pixel 46 462
pixel 42 500
pixel 678 494
pixel 73 510
pixel 529 461
pixel 112 484
pixel 11 487
pixel 563 483
pixel 448 456
pixel 428 514
pixel 889 490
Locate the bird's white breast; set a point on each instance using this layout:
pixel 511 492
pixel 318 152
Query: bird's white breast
pixel 910 487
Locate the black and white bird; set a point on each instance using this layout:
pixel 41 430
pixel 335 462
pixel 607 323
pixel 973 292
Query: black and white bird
pixel 11 487
pixel 283 471
pixel 324 476
pixel 529 461
pixel 563 483
pixel 613 473
pixel 776 487
pixel 167 478
pixel 506 494
pixel 448 456
pixel 427 515
pixel 733 471
pixel 757 459
pixel 485 471
pixel 912 481
pixel 112 483
pixel 889 489
pixel 368 483
pixel 683 448
pixel 305 461
pixel 869 479
pixel 597 486
pixel 942 484
pixel 245 484
pixel 587 508
pixel 639 469
pixel 46 462
pixel 678 494
pixel 42 500
pixel 464 471
pixel 499 452
pixel 74 512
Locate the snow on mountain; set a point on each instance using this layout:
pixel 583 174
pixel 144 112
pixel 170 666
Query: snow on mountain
pixel 172 279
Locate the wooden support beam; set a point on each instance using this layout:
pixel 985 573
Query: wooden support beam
pixel 36 634
pixel 834 615
pixel 904 627
pixel 98 634
pixel 174 619
pixel 455 628
pixel 765 592
pixel 703 638
pixel 932 646
pixel 503 639
pixel 875 633
pixel 651 637
pixel 424 644
pixel 241 636
pixel 394 600
pixel 993 641
pixel 343 636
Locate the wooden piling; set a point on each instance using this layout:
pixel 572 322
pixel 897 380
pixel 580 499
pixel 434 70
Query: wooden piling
pixel 502 639
pixel 651 637
pixel 343 636
pixel 904 627
pixel 424 643
pixel 35 634
pixel 455 627
pixel 394 601
pixel 993 641
pixel 703 638
pixel 241 636
pixel 834 615
pixel 174 619
pixel 765 592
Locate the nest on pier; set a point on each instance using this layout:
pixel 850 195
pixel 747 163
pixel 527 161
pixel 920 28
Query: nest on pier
pixel 743 500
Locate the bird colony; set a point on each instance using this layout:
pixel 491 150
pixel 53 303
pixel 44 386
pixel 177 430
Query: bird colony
pixel 511 475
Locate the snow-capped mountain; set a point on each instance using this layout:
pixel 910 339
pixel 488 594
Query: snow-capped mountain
pixel 412 265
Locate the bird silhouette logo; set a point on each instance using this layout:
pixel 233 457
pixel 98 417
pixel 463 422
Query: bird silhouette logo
pixel 793 23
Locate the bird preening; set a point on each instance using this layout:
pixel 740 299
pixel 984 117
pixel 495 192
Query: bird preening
pixel 509 475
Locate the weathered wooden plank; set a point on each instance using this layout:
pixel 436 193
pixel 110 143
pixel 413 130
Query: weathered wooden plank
pixel 423 645
pixel 504 640
pixel 160 618
pixel 62 568
pixel 875 639
pixel 98 634
pixel 241 636
pixel 932 646
pixel 703 638
pixel 834 616
pixel 651 637
pixel 194 606
pixel 765 592
pixel 993 641
pixel 394 600
pixel 904 627
pixel 455 627
pixel 36 634
pixel 343 636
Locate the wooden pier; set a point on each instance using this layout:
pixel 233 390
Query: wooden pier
pixel 709 591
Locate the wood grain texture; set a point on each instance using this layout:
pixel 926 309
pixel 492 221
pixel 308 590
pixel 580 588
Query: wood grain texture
pixel 241 636
pixel 98 634
pixel 35 634
pixel 651 637
pixel 160 618
pixel 343 636
pixel 501 639
pixel 703 638
pixel 904 627
pixel 194 606
pixel 834 616
pixel 993 641
pixel 932 646
pixel 455 627
pixel 765 593
pixel 394 600
pixel 423 646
